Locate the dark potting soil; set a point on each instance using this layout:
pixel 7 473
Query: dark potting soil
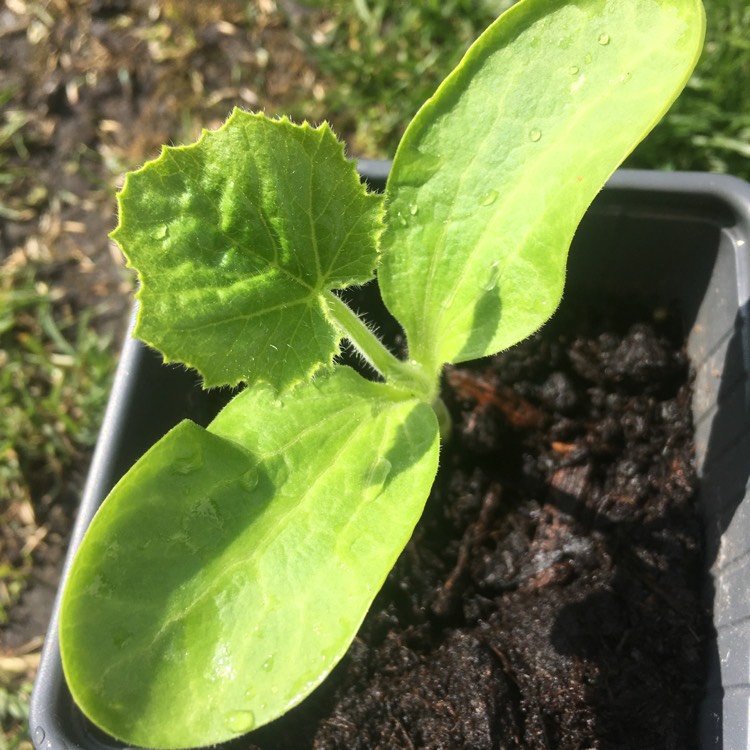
pixel 550 596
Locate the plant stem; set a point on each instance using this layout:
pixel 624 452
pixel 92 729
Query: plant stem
pixel 444 419
pixel 408 375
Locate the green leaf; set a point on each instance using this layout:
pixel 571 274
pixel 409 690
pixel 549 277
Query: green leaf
pixel 238 239
pixel 495 172
pixel 228 572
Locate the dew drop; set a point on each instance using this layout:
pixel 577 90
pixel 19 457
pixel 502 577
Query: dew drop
pixel 401 219
pixel 239 722
pixel 574 70
pixel 39 735
pixel 379 471
pixel 228 259
pixel 278 403
pixel 589 57
pixel 184 467
pixel 413 209
pixel 268 664
pixel 161 233
pixel 604 39
pixel 494 277
pixel 188 462
pixel 249 480
pixel 489 197
pixel 535 134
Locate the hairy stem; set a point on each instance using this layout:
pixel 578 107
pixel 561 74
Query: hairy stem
pixel 407 375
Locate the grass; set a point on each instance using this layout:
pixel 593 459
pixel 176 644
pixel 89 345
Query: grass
pixel 54 377
pixel 708 128
pixel 55 370
pixel 382 58
pixel 14 714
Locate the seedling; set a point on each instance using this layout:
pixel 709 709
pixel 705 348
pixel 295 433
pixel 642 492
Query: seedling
pixel 229 570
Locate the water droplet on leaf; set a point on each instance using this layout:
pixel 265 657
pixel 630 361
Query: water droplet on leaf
pixel 589 57
pixel 249 480
pixel 228 259
pixel 489 198
pixel 413 209
pixel 239 722
pixel 379 471
pixel 401 219
pixel 574 70
pixel 604 39
pixel 493 278
pixel 188 462
pixel 39 735
pixel 161 233
pixel 184 467
pixel 268 664
pixel 535 134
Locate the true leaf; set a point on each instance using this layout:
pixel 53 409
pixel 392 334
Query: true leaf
pixel 233 566
pixel 238 240
pixel 496 170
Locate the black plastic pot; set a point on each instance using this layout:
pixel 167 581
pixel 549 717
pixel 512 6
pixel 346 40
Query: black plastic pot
pixel 671 238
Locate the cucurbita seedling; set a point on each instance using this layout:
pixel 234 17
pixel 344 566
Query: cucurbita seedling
pixel 229 570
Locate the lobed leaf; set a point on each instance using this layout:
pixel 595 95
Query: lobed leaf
pixel 496 170
pixel 228 572
pixel 236 240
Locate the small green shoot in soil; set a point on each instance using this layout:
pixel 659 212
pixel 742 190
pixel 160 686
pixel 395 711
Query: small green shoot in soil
pixel 228 571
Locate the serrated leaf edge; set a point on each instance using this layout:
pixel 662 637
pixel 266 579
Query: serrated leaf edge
pixel 282 121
